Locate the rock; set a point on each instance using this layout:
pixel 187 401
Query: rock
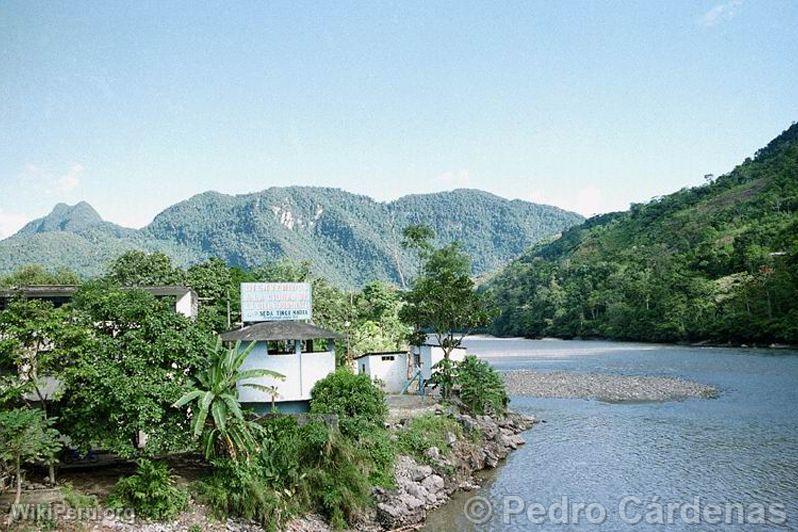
pixel 417 490
pixel 414 503
pixel 433 483
pixel 390 510
pixel 468 423
pixel 491 460
pixel 451 439
pixel 468 485
pixel 433 453
pixel 420 472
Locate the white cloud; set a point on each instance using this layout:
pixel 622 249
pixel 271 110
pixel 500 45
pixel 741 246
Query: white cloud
pixel 11 222
pixel 455 179
pixel 587 201
pixel 35 177
pixel 70 180
pixel 720 13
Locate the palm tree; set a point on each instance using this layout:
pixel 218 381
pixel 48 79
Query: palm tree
pixel 226 431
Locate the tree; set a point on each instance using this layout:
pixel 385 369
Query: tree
pixel 139 362
pixel 218 293
pixel 218 418
pixel 36 274
pixel 137 268
pixel 358 403
pixel 36 339
pixel 443 300
pixel 418 237
pixel 376 325
pixel 283 271
pixel 26 436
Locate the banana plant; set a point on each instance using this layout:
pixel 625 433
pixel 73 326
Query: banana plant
pixel 217 418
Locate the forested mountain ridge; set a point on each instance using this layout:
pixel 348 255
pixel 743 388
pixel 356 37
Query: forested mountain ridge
pixel 718 262
pixel 350 239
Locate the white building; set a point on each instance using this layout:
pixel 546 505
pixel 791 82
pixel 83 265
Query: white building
pixel 288 348
pixel 426 356
pixel 393 370
pixel 390 369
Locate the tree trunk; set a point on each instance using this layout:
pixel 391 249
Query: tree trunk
pixel 51 473
pixel 18 495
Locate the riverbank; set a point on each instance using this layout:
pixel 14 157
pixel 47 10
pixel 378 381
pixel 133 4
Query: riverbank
pixel 603 387
pixel 643 343
pixel 427 482
pixel 422 481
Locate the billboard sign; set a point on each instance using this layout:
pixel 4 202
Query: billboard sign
pixel 275 301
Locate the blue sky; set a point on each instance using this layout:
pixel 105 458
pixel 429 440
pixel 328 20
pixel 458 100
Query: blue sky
pixel 587 105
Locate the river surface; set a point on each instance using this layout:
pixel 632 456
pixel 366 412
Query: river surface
pixel 738 451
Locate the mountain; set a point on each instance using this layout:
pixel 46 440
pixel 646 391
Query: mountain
pixel 64 218
pixel 718 262
pixel 350 239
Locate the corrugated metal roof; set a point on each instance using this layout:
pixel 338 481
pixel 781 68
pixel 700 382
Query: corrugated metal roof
pixel 279 330
pixel 46 291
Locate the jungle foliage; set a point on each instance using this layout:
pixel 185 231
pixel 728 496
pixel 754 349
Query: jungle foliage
pixel 718 263
pixel 349 239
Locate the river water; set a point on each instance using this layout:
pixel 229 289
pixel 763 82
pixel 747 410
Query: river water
pixel 643 465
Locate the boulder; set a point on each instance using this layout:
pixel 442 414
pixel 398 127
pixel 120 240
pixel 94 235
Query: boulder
pixel 433 483
pixel 420 472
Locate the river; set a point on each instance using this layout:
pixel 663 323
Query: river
pixel 687 465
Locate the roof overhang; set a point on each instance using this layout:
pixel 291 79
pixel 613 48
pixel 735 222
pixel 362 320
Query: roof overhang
pixel 279 330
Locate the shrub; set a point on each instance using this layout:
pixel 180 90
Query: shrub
pixel 280 449
pixel 359 404
pixel 480 388
pixel 26 436
pixel 239 489
pixel 424 432
pixel 152 492
pixel 299 469
pixel 381 451
pixel 76 499
pixel 336 475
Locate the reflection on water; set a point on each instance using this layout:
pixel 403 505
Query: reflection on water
pixel 739 448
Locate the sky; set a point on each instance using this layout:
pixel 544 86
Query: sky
pixel 134 106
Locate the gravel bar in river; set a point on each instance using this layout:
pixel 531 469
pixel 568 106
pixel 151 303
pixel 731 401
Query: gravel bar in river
pixel 609 388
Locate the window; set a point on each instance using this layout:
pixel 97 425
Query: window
pixel 387 357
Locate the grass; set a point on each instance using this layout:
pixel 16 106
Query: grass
pixel 424 432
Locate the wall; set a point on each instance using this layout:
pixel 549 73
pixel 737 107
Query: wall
pixel 188 305
pixel 297 384
pixel 392 373
pixel 431 355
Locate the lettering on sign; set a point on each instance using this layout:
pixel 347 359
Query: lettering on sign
pixel 276 301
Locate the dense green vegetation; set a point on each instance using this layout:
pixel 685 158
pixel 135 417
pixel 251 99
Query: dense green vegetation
pixel 141 381
pixel 442 300
pixel 717 262
pixel 152 492
pixel 348 239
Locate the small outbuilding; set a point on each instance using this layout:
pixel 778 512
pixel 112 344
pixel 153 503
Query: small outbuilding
pixel 390 369
pixel 395 370
pixel 425 356
pixel 302 352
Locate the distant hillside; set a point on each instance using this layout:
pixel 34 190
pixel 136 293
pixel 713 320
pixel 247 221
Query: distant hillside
pixel 348 238
pixel 717 262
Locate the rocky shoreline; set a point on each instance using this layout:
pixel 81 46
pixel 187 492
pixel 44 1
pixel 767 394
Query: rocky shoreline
pixel 422 487
pixel 604 387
